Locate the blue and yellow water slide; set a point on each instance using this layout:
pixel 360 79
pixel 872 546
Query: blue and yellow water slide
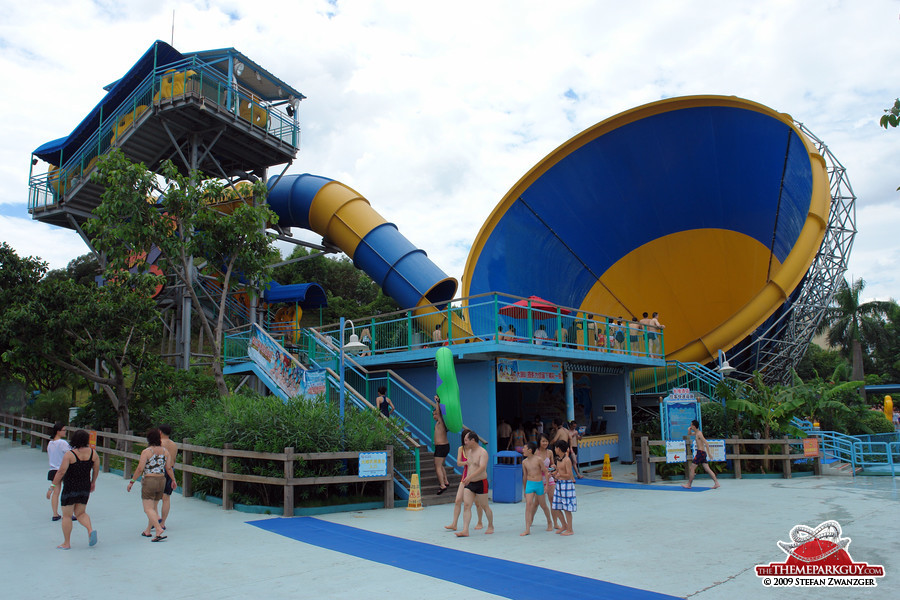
pixel 707 209
pixel 347 220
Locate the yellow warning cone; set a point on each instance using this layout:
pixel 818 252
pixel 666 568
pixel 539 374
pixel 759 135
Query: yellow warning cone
pixel 607 469
pixel 415 494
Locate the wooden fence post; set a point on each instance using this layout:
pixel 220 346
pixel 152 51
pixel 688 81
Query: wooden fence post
pixel 736 461
pixel 104 456
pixel 187 478
pixel 227 484
pixel 389 484
pixel 786 463
pixel 126 466
pixel 817 463
pixel 645 460
pixel 44 440
pixel 288 486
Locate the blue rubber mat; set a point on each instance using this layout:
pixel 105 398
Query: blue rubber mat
pixel 638 486
pixel 492 575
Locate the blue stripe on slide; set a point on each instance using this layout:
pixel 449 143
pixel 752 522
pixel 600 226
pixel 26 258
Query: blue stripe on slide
pixel 491 575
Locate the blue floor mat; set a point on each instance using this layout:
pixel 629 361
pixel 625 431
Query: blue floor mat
pixel 638 486
pixel 491 575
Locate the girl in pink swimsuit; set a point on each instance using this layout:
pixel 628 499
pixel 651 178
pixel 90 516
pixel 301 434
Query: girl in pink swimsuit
pixel 548 458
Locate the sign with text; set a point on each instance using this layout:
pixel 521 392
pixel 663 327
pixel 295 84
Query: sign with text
pixel 810 447
pixel 676 452
pixel 677 417
pixel 515 370
pixel 282 368
pixel 716 450
pixel 372 464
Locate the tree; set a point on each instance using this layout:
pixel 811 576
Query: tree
pixel 855 326
pixel 764 409
pixel 175 213
pixel 101 334
pixel 891 117
pixel 18 278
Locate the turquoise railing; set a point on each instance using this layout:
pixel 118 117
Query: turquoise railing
pixel 188 77
pixel 504 319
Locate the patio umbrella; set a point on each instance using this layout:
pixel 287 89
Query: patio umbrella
pixel 541 309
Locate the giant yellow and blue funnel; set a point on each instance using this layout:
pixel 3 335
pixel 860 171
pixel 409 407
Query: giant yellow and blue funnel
pixel 707 209
pixel 344 218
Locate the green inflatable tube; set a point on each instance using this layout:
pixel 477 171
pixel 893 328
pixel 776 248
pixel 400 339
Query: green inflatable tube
pixel 448 390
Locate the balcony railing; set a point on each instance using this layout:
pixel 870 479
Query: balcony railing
pixel 498 318
pixel 186 78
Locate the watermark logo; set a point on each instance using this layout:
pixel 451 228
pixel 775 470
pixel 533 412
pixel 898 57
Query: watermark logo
pixel 818 558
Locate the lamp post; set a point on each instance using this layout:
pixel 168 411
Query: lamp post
pixel 353 347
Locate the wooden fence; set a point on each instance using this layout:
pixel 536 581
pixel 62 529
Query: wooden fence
pixel 737 454
pixel 34 432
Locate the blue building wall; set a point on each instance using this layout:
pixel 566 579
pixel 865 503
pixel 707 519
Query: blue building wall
pixel 613 390
pixel 477 393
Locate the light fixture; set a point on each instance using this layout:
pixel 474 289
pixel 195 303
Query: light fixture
pixel 258 76
pixel 238 68
pixel 289 110
pixel 353 347
pixel 724 368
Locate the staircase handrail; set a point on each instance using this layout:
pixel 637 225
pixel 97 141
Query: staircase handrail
pixel 322 341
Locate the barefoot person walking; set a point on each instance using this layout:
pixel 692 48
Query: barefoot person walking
pixel 77 473
pixel 476 484
pixel 533 474
pixel 564 502
pixel 462 461
pixel 154 464
pixel 700 457
pixel 56 451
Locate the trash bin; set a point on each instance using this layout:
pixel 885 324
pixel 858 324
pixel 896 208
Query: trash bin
pixel 508 477
pixel 640 469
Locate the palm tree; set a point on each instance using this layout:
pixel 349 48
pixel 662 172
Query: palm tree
pixel 855 326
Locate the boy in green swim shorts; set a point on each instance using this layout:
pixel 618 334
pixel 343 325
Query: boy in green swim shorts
pixel 533 473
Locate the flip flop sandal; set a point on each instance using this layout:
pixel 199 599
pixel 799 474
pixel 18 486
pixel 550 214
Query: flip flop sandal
pixel 158 538
pixel 146 534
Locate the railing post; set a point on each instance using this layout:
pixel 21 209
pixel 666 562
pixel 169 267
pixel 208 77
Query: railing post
pixel 737 461
pixel 44 440
pixel 126 466
pixel 786 464
pixel 187 478
pixel 645 460
pixel 104 456
pixel 288 486
pixel 389 484
pixel 409 330
pixel 687 453
pixel 227 484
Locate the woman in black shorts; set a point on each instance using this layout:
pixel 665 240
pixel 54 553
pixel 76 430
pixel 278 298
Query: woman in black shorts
pixel 78 475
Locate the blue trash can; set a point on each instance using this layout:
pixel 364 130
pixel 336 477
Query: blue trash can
pixel 507 483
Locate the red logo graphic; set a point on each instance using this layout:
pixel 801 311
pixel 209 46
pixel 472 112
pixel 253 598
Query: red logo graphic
pixel 818 558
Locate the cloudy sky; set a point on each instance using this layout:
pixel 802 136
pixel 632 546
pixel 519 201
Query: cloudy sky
pixel 434 110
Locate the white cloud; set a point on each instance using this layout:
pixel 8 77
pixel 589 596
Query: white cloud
pixel 434 111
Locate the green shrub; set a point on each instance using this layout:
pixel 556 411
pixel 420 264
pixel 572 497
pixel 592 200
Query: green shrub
pixel 266 424
pixel 51 406
pixel 875 422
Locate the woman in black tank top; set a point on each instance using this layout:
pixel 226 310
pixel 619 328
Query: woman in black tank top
pixel 383 403
pixel 78 475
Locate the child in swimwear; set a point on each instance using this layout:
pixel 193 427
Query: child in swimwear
pixel 533 472
pixel 564 503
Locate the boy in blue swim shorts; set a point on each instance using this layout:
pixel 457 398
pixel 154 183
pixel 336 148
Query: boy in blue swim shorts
pixel 533 473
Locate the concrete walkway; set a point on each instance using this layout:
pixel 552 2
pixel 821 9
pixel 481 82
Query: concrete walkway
pixel 695 545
